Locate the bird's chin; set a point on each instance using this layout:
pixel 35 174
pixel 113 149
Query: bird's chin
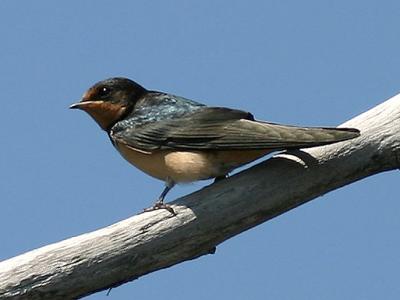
pixel 106 114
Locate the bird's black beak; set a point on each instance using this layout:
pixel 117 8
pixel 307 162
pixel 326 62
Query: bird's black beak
pixel 77 105
pixel 89 105
pixel 84 105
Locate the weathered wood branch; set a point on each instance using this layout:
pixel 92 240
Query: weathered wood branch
pixel 154 240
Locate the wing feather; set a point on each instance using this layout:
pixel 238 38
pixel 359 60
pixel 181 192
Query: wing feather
pixel 226 129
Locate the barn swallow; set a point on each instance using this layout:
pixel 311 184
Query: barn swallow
pixel 180 140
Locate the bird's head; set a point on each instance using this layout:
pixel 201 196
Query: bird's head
pixel 108 101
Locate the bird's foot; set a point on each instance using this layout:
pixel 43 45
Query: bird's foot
pixel 212 250
pixel 160 205
pixel 220 178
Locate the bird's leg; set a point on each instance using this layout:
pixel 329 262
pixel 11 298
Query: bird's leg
pixel 169 184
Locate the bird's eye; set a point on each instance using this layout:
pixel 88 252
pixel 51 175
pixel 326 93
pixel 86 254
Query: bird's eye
pixel 104 91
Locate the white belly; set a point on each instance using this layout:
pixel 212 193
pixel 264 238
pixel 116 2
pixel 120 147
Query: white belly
pixel 187 166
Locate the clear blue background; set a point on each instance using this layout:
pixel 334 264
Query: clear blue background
pixel 299 62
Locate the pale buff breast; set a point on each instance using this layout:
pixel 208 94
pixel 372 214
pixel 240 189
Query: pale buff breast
pixel 188 166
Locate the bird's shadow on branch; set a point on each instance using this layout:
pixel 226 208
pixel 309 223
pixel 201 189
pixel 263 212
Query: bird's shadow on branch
pixel 290 160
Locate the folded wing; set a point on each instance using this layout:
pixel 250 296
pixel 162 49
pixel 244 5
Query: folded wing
pixel 227 129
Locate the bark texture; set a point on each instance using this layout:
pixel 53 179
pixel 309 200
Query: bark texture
pixel 151 241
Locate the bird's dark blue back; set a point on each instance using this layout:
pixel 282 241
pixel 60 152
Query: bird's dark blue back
pixel 156 106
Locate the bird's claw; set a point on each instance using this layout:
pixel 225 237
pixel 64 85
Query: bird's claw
pixel 160 205
pixel 220 178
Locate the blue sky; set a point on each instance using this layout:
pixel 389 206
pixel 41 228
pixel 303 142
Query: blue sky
pixel 295 62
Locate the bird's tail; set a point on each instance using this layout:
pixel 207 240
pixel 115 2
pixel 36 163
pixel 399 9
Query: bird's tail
pixel 304 137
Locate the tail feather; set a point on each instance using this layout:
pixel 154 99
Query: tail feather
pixel 302 137
pixel 256 134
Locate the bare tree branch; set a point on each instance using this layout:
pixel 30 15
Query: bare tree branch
pixel 154 240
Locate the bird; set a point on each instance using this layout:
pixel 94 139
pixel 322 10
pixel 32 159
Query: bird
pixel 178 140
